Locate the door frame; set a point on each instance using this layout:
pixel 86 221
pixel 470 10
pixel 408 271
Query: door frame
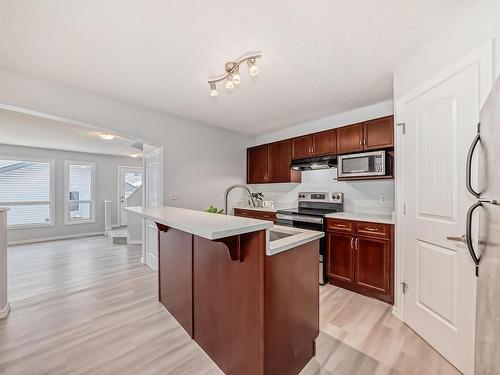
pixel 483 57
pixel 159 152
pixel 118 189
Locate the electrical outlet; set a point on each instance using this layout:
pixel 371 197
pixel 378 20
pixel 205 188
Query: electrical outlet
pixel 383 199
pixel 174 195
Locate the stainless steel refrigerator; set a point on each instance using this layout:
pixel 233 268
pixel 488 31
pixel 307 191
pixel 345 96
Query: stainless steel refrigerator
pixel 486 254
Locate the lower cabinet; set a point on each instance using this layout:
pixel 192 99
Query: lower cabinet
pixel 362 262
pixel 256 214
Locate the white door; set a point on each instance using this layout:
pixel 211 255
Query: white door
pixel 130 184
pixel 153 196
pixel 440 124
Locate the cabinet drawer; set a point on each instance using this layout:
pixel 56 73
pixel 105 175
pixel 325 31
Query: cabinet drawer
pixel 373 229
pixel 262 215
pixel 337 225
pixel 245 213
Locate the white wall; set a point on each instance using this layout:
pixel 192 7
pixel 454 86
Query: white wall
pixel 362 196
pixel 105 188
pixel 480 22
pixel 200 161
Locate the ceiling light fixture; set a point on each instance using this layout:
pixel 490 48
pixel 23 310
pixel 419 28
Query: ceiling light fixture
pixel 135 155
pixel 232 75
pixel 106 136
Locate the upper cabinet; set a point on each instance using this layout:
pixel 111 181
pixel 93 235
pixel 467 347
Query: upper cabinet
pixel 379 133
pixel 317 144
pixel 350 139
pixel 257 163
pixel 369 135
pixel 270 163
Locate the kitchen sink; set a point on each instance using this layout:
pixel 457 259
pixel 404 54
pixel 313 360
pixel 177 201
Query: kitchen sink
pixel 275 235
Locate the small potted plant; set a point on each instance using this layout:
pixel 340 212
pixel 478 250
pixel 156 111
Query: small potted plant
pixel 214 210
pixel 258 198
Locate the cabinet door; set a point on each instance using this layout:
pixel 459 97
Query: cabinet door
pixel 302 147
pixel 340 257
pixel 325 143
pixel 372 264
pixel 257 164
pixel 350 138
pixel 379 133
pixel 280 158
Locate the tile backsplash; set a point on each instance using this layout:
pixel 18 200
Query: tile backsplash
pixel 360 196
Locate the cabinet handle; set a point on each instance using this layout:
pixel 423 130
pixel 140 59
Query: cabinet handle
pixel 357 244
pixel 340 225
pixel 371 229
pixel 352 243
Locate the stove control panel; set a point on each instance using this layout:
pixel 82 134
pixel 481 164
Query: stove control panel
pixel 321 197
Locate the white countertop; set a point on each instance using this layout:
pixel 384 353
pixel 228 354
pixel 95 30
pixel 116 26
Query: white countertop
pixel 203 224
pixel 299 237
pixel 262 209
pixel 215 226
pixel 373 218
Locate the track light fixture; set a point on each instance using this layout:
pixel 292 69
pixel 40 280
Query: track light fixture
pixel 232 75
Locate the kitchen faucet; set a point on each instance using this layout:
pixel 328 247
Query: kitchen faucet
pixel 241 187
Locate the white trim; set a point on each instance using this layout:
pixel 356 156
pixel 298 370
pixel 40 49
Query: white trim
pixel 67 220
pixel 135 242
pixel 55 238
pixel 5 311
pixel 52 175
pixel 483 57
pixel 118 188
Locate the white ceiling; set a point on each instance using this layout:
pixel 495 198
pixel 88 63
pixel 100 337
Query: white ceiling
pixel 23 129
pixel 320 57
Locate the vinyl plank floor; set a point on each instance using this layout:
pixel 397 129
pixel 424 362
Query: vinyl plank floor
pixel 88 306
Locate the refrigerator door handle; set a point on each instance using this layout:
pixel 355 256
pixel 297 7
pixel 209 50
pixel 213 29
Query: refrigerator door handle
pixel 468 171
pixel 468 235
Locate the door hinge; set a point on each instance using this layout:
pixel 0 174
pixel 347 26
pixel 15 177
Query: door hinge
pixel 403 126
pixel 404 208
pixel 404 287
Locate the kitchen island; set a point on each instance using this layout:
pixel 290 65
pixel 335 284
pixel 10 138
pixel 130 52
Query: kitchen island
pixel 246 291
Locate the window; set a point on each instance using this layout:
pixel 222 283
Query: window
pixel 79 201
pixel 26 187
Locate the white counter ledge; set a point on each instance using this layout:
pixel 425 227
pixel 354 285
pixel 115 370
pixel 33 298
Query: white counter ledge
pixel 199 223
pixel 372 218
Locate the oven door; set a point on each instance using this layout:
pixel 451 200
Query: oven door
pixel 312 223
pixel 362 165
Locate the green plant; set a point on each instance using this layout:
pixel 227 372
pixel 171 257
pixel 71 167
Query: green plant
pixel 214 210
pixel 258 196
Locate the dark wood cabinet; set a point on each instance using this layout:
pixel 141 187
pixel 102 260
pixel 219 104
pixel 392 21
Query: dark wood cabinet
pixel 379 133
pixel 270 163
pixel 325 143
pixel 256 214
pixel 372 264
pixel 279 160
pixel 340 257
pixel 302 147
pixel 257 164
pixel 350 139
pixel 370 135
pixel 360 257
pixel 317 144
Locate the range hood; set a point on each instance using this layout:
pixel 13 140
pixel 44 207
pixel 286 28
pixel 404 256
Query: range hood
pixel 312 164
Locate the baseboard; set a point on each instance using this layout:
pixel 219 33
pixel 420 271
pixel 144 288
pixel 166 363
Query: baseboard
pixel 5 311
pixel 55 238
pixel 134 242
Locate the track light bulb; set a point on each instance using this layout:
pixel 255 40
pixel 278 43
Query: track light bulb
pixel 236 75
pixel 254 69
pixel 229 83
pixel 213 89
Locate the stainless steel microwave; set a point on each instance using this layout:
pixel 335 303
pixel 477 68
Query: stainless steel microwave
pixel 362 165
